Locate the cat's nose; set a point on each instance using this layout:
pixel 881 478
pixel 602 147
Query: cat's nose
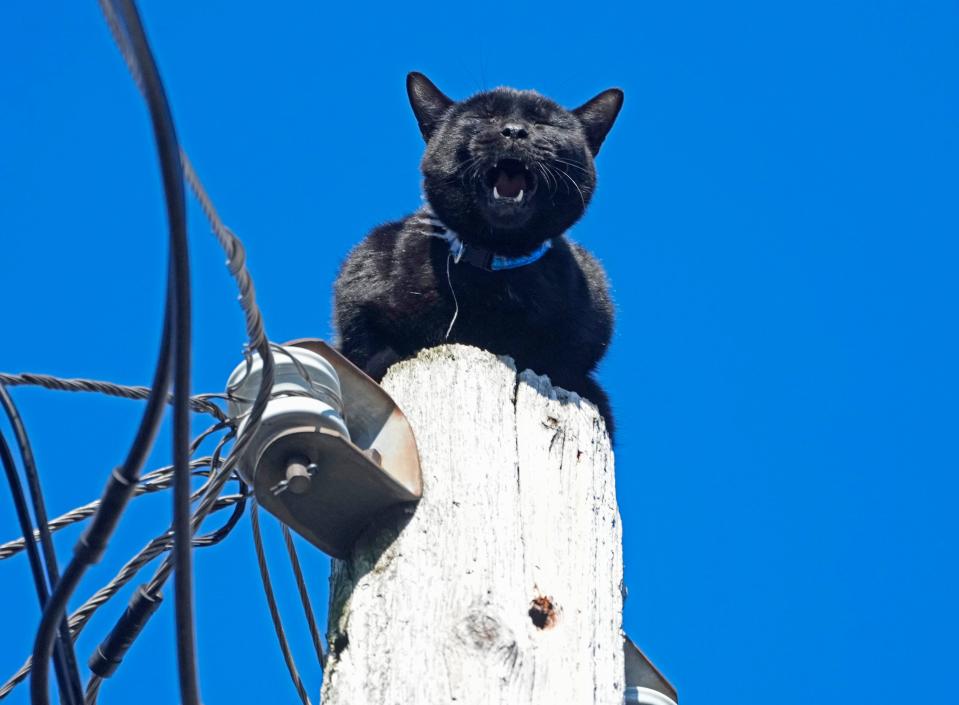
pixel 514 131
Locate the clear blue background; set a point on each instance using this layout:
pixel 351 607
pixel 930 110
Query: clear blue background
pixel 777 213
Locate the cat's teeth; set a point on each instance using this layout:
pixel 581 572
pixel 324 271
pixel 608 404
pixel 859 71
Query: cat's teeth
pixel 515 199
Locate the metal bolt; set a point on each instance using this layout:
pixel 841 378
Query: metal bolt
pixel 299 471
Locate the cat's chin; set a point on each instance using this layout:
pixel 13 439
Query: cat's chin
pixel 507 216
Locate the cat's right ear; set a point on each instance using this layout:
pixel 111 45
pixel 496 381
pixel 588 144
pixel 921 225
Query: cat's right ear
pixel 429 103
pixel 598 115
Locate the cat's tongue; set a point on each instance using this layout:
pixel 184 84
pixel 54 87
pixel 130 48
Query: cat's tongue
pixel 509 186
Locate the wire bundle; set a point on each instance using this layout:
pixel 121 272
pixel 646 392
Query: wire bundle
pixel 151 482
pixel 56 634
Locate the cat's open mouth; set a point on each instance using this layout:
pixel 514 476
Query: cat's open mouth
pixel 510 182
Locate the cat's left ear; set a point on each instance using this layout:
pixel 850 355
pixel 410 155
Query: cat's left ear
pixel 429 103
pixel 598 115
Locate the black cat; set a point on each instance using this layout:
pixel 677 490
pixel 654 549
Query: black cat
pixel 485 262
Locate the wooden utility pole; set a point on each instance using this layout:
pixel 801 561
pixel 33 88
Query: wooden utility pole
pixel 504 584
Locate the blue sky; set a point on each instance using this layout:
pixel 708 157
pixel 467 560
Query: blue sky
pixel 777 214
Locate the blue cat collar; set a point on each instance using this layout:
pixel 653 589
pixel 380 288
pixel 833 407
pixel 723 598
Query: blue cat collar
pixel 486 259
pixel 471 254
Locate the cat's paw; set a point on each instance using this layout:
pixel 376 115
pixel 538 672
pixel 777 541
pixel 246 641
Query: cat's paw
pixel 380 362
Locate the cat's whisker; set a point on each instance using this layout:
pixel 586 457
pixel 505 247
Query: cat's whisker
pixel 468 164
pixel 473 173
pixel 551 183
pixel 575 165
pixel 468 170
pixel 573 182
pixel 575 162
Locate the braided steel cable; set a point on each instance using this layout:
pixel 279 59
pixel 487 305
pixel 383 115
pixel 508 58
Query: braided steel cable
pixel 156 480
pixel 168 151
pixel 211 492
pixel 200 402
pixel 117 493
pixel 208 502
pixel 236 263
pixel 257 341
pixel 161 544
pixel 153 481
pixel 231 245
pixel 150 482
pixel 213 487
pixel 154 548
pixel 236 257
pixel 274 610
pixel 161 476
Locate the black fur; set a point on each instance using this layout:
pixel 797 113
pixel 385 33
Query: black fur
pixel 395 293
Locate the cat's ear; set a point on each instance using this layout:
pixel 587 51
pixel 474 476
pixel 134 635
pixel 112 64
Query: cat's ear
pixel 429 103
pixel 598 115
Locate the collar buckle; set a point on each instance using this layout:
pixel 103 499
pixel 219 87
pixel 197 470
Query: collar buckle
pixel 476 256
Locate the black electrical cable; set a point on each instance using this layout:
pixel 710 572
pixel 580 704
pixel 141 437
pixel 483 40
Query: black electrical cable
pixel 238 510
pixel 36 567
pixel 157 546
pixel 171 168
pixel 89 549
pixel 93 690
pixel 304 596
pixel 65 658
pixel 144 603
pixel 124 479
pixel 157 479
pixel 274 610
pixel 154 481
pixel 210 501
pixel 117 493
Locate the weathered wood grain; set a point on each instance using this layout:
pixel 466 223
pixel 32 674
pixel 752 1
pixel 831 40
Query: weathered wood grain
pixel 504 584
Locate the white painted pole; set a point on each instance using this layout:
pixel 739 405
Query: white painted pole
pixel 504 584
